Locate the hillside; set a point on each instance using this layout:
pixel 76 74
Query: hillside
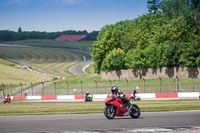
pixel 9 73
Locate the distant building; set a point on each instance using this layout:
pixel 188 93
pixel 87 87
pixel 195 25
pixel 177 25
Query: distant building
pixel 70 37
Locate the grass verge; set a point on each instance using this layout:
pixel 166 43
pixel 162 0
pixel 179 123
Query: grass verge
pixel 20 108
pixel 52 43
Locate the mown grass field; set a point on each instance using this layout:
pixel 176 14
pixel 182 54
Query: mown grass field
pixel 11 74
pixel 52 43
pixel 92 107
pixel 48 60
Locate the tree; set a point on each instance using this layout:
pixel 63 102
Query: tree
pixel 110 37
pixel 114 60
pixel 19 30
pixel 153 6
pixel 102 46
pixel 136 58
pixel 172 53
pixel 190 55
pixel 176 8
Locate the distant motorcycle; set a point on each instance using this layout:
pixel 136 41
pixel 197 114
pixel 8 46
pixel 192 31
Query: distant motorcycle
pixel 116 107
pixel 7 99
pixel 136 97
pixel 88 98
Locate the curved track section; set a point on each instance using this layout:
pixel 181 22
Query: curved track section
pixel 80 68
pixel 180 120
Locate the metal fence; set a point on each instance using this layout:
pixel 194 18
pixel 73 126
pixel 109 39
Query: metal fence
pixel 102 87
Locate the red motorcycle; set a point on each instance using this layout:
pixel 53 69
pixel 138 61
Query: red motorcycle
pixel 7 99
pixel 115 107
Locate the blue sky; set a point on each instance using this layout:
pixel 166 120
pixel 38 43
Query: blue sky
pixel 60 15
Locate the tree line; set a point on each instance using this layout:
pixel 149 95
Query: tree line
pixel 6 35
pixel 167 36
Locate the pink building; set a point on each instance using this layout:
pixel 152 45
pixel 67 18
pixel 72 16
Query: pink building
pixel 70 37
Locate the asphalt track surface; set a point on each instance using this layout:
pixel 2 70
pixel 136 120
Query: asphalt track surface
pixel 98 122
pixel 80 68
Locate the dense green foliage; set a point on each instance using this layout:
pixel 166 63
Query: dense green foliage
pixel 6 35
pixel 169 35
pixel 153 5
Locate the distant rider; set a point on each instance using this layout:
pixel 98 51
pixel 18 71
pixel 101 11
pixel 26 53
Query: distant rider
pixel 134 94
pixel 87 94
pixel 118 94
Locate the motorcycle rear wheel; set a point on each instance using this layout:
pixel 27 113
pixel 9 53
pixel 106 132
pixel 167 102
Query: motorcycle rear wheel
pixel 110 114
pixel 135 111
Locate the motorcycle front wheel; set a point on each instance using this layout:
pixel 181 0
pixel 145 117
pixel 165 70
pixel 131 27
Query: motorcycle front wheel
pixel 109 112
pixel 134 111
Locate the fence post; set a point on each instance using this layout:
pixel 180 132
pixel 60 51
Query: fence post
pixel 67 87
pixel 43 88
pixel 32 88
pixel 3 90
pixel 144 85
pixel 21 88
pixel 160 84
pixel 177 84
pixel 127 85
pixel 55 87
pixel 81 87
pixel 96 85
pixel 193 83
pixel 10 89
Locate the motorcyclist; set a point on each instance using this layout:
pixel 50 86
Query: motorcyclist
pixel 134 94
pixel 7 99
pixel 118 94
pixel 87 96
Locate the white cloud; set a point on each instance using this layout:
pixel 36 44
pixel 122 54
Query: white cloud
pixel 19 2
pixel 70 2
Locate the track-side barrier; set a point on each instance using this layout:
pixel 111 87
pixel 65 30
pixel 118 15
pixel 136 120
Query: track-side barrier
pixel 143 96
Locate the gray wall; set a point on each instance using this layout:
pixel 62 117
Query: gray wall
pixel 151 73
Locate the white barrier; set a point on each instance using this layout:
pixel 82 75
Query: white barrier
pixel 34 97
pixel 100 96
pixel 147 95
pixel 188 95
pixel 65 97
pixel 104 96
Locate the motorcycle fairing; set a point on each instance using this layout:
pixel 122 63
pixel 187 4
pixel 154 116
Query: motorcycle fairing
pixel 120 108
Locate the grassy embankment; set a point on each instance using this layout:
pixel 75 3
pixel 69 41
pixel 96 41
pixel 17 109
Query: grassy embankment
pixel 93 107
pixel 58 61
pixel 51 61
pixel 51 43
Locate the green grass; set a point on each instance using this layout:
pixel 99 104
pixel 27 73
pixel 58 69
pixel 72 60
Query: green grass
pixel 11 77
pixel 93 107
pixel 48 60
pixel 53 43
pixel 103 87
pixel 51 61
pixel 11 74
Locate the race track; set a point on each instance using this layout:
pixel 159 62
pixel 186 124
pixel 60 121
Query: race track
pixel 98 122
pixel 80 68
